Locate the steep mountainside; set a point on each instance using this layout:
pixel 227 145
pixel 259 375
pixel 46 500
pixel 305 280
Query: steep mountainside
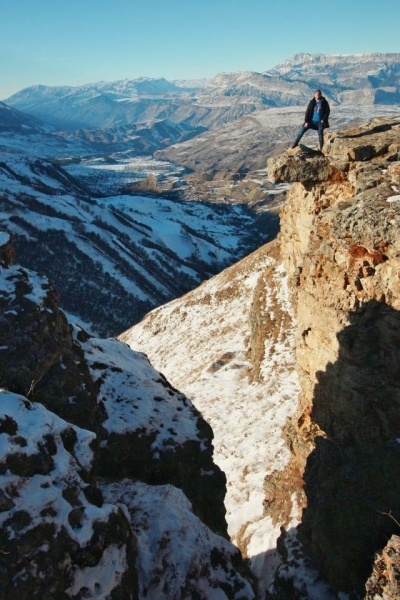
pixel 229 345
pixel 314 459
pixel 16 121
pixel 112 257
pixel 108 488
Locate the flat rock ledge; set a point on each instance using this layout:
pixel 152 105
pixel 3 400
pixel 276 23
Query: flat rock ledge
pixel 300 165
pixel 379 139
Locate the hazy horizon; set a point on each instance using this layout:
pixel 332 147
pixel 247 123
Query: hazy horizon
pixel 76 43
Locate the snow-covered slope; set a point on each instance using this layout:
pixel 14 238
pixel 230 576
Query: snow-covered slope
pixel 178 556
pixel 113 257
pixel 229 346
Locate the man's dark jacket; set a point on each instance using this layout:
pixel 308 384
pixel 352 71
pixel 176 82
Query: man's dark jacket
pixel 325 110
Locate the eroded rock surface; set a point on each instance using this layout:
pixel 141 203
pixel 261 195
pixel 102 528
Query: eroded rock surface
pixel 385 579
pixel 57 534
pixel 340 242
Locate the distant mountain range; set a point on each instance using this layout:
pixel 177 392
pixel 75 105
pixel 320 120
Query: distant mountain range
pixel 361 78
pixel 345 79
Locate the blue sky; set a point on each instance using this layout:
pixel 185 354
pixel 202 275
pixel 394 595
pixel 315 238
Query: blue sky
pixel 72 42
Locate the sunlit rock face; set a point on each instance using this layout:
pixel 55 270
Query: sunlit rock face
pixel 340 242
pixel 385 578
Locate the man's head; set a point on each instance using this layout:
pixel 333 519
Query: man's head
pixel 318 95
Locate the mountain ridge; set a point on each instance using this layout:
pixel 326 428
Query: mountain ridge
pixel 223 98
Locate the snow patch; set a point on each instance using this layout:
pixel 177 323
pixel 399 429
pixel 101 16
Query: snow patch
pixel 165 526
pixel 136 396
pixel 99 581
pixel 4 238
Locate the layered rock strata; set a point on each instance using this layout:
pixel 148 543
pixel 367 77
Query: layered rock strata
pixel 340 242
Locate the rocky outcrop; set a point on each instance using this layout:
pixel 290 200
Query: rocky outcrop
pixel 57 534
pixel 340 243
pixel 26 355
pixel 38 356
pixel 149 184
pixel 97 411
pixel 385 579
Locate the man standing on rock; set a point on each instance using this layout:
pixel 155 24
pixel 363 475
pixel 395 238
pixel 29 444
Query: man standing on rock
pixel 317 114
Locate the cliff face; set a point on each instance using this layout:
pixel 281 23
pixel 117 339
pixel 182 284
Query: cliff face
pixel 340 243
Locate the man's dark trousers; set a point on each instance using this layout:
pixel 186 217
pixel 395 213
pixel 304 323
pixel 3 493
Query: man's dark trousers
pixel 317 126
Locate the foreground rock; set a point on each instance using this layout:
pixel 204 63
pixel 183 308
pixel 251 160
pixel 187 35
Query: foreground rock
pixel 98 413
pixel 58 537
pixel 340 242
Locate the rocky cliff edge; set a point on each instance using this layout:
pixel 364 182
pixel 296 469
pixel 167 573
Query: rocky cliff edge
pixel 341 246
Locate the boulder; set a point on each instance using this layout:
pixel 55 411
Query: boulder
pixel 301 164
pixel 377 139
